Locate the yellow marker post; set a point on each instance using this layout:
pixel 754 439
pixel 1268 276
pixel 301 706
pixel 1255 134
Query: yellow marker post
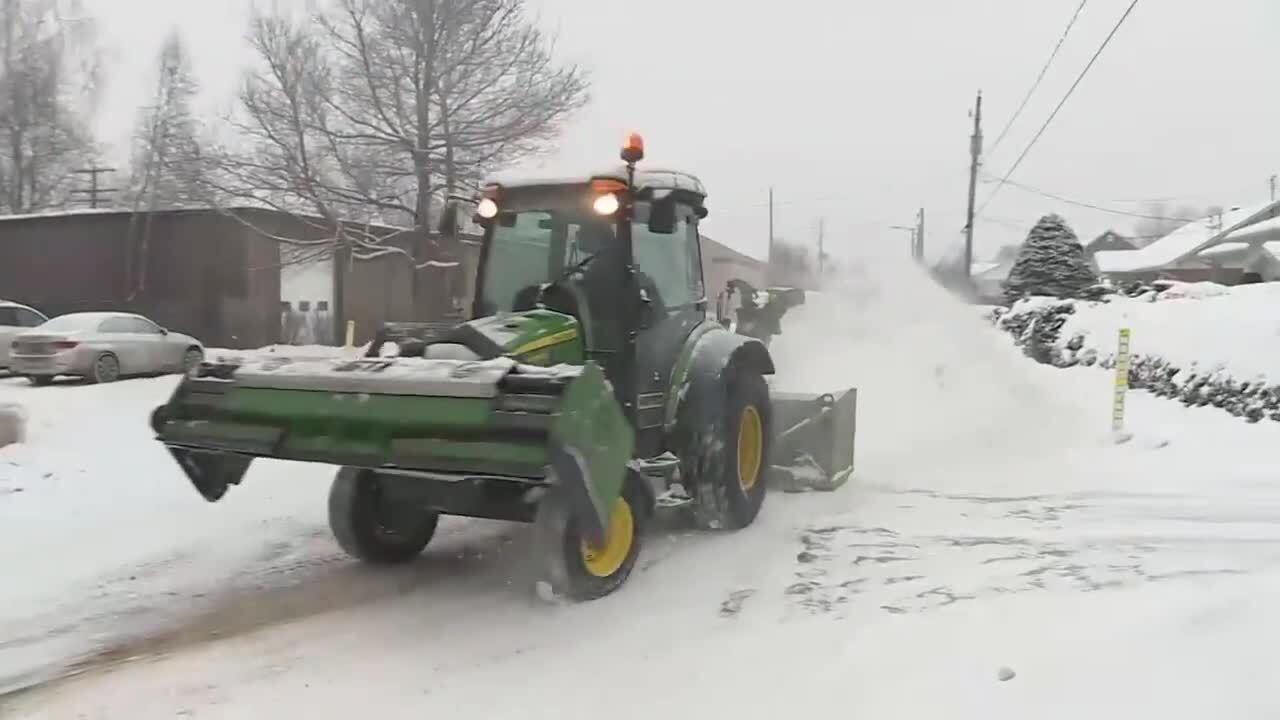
pixel 351 336
pixel 1121 386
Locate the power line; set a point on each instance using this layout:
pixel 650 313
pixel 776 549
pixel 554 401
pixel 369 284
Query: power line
pixel 1060 105
pixel 1043 71
pixel 1091 206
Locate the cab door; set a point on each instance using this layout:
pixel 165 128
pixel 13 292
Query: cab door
pixel 670 267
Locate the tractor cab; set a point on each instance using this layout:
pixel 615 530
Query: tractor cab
pixel 618 252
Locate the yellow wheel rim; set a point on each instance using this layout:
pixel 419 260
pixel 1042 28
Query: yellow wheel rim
pixel 750 447
pixel 605 561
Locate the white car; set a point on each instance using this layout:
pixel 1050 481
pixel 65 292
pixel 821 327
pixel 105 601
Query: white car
pixel 15 319
pixel 102 347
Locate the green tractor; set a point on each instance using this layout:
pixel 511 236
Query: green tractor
pixel 591 388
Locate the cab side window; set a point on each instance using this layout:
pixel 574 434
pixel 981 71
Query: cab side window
pixel 668 260
pixel 696 282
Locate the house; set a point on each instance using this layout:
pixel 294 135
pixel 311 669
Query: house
pixel 1107 242
pixel 1230 248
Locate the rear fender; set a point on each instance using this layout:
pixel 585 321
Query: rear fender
pixel 699 394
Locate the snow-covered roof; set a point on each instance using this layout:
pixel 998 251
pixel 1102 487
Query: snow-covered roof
pixel 1262 232
pixel 1225 248
pixel 1186 241
pixel 65 213
pixel 647 178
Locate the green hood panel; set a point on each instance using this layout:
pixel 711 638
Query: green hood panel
pixel 535 337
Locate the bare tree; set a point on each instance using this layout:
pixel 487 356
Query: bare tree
pixel 48 84
pixel 168 165
pixel 374 110
pixel 168 162
pixel 499 94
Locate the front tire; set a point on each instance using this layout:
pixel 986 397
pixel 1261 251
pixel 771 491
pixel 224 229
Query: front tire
pixel 40 380
pixel 731 492
pixel 573 568
pixel 370 529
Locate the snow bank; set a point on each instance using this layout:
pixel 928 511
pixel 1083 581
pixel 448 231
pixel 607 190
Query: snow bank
pixel 13 421
pixel 1203 343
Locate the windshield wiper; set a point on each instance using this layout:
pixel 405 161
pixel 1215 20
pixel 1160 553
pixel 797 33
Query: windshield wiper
pixel 575 268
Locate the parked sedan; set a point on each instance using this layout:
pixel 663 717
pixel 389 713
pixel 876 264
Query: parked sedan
pixel 102 347
pixel 14 320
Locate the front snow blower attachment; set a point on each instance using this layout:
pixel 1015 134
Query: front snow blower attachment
pixel 417 438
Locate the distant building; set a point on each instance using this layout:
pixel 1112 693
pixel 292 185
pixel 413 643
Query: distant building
pixel 1232 247
pixel 721 263
pixel 216 274
pixel 1109 241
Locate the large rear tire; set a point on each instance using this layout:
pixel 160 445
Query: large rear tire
pixel 730 494
pixel 369 529
pixel 575 570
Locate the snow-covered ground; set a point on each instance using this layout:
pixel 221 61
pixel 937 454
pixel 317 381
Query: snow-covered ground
pixel 992 529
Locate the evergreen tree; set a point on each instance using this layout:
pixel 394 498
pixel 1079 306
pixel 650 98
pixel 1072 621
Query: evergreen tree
pixel 1051 262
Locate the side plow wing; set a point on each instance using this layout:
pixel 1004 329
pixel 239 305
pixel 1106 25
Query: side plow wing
pixel 813 444
pixel 460 422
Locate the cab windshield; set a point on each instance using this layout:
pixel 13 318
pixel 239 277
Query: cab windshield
pixel 530 247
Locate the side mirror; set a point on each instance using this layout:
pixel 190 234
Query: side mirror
pixel 164 331
pixel 449 219
pixel 662 216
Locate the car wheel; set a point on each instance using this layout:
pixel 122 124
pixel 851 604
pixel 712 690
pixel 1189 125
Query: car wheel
pixel 40 380
pixel 191 360
pixel 105 369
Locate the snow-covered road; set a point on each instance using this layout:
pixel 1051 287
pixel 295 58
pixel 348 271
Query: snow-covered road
pixel 992 525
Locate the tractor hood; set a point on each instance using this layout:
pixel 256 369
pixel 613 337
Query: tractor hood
pixel 534 337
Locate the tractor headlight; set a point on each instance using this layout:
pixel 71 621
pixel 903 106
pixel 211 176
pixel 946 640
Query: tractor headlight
pixel 606 204
pixel 487 208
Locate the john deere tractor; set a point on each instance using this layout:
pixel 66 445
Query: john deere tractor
pixel 591 388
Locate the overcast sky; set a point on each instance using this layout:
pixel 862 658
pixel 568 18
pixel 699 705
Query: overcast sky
pixel 858 110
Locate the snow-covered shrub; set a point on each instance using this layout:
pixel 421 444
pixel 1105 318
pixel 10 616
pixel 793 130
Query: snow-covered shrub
pixel 1035 325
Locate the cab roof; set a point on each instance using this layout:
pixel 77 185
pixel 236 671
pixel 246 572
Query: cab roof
pixel 646 179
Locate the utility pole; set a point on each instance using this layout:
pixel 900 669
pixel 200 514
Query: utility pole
pixel 768 271
pixel 918 250
pixel 95 192
pixel 975 154
pixel 821 252
pixel 912 230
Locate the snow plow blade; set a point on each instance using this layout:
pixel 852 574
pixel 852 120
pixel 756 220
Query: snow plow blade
pixel 466 422
pixel 814 446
